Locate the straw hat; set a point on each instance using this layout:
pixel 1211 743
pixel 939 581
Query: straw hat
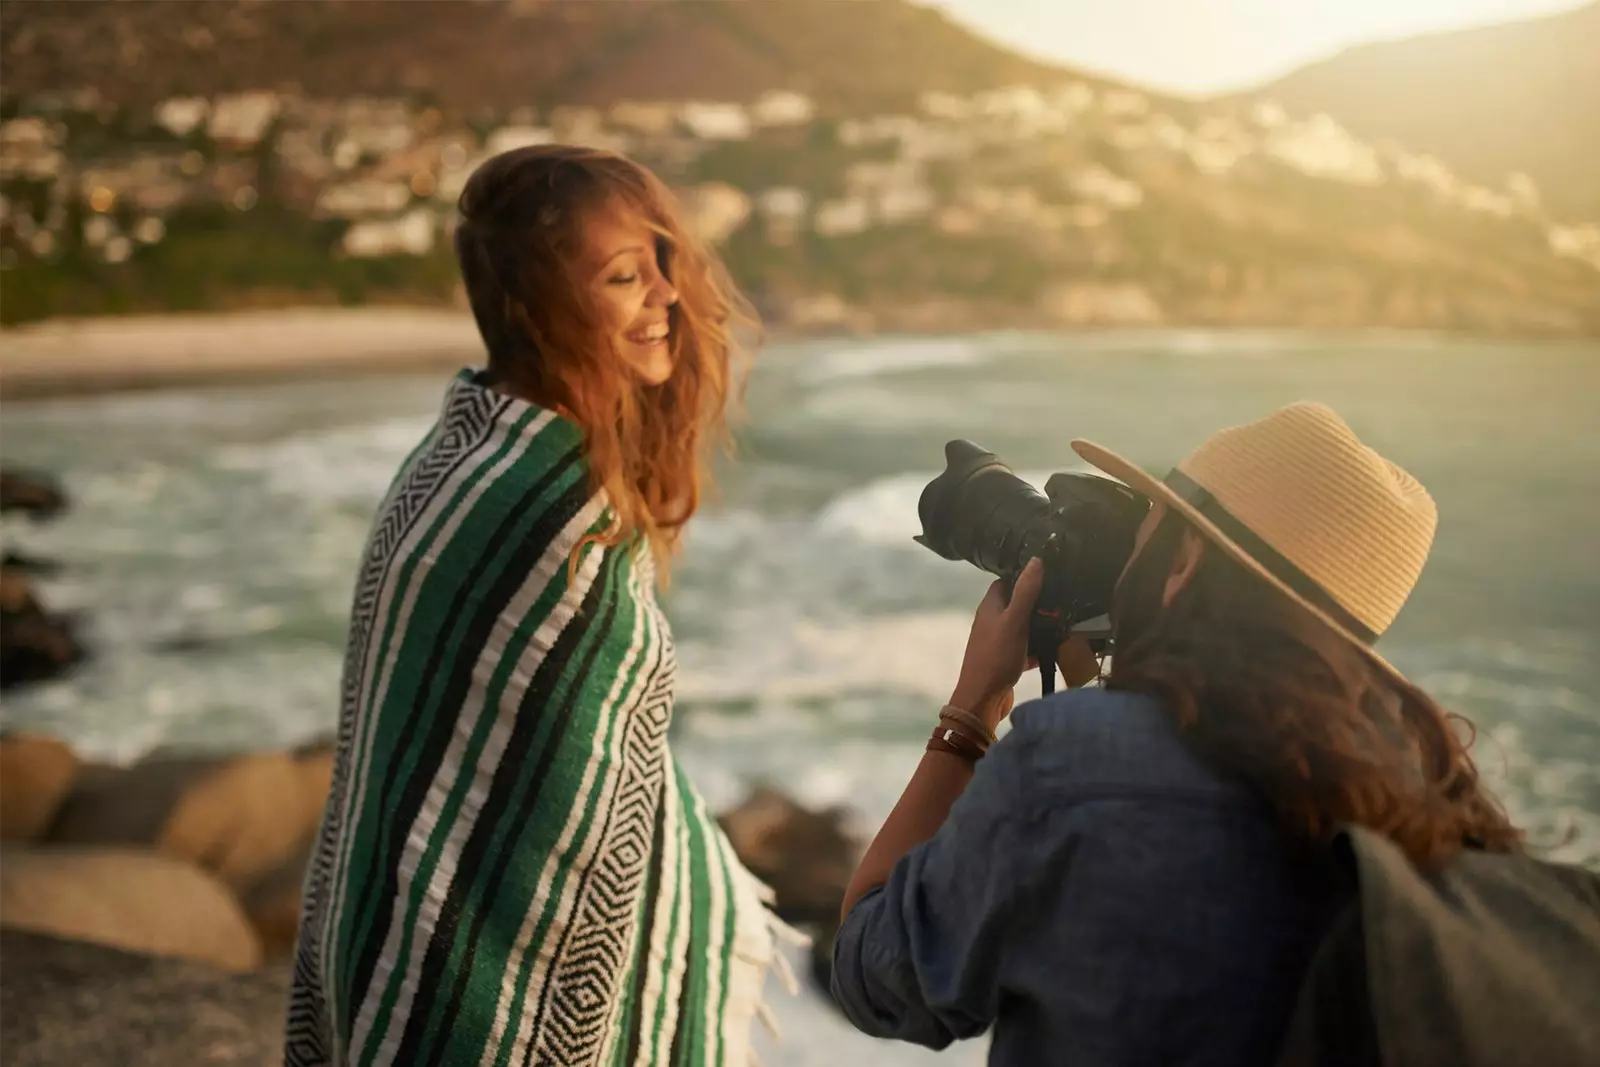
pixel 1297 498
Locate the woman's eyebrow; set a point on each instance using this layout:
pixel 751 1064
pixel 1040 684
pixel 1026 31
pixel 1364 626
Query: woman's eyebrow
pixel 630 250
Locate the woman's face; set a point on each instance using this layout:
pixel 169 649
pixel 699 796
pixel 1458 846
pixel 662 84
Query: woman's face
pixel 625 266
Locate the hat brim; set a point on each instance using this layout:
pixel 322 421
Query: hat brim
pixel 1136 478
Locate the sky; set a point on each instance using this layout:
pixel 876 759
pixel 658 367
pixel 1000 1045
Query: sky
pixel 1199 47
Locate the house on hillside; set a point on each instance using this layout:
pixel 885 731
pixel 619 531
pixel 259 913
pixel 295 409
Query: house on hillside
pixel 412 234
pixel 373 129
pixel 714 121
pixel 30 148
pixel 947 106
pixel 651 118
pixel 838 218
pixel 240 120
pixel 507 138
pixel 783 210
pixel 150 183
pixel 780 107
pixel 363 197
pixel 1321 148
pixel 1097 184
pixel 716 210
pixel 182 115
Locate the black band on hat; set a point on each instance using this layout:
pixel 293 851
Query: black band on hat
pixel 1274 562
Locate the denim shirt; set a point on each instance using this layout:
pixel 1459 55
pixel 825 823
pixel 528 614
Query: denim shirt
pixel 1098 896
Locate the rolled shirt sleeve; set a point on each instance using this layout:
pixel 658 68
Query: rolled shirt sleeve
pixel 920 958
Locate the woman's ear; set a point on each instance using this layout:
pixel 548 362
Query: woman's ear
pixel 1190 551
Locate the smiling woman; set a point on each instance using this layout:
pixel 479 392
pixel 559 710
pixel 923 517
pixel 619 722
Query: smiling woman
pixel 594 300
pixel 632 290
pixel 512 866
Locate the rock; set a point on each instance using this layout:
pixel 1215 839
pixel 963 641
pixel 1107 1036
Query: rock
pixel 25 564
pixel 126 805
pixel 36 648
pixel 273 904
pixel 36 773
pixel 252 820
pixel 273 901
pixel 128 899
pixel 807 857
pixel 241 817
pixel 65 1003
pixel 16 592
pixel 243 821
pixel 32 492
pixel 34 644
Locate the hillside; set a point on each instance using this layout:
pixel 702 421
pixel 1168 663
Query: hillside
pixel 862 165
pixel 471 55
pixel 1524 96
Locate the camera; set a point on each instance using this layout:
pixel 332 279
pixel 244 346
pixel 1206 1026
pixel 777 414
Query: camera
pixel 1081 527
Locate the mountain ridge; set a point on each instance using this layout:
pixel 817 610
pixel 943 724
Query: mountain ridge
pixel 471 55
pixel 1520 96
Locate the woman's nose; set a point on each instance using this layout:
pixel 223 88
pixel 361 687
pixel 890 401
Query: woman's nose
pixel 664 292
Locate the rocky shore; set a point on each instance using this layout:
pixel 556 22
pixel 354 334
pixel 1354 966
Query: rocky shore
pixel 160 900
pixel 35 643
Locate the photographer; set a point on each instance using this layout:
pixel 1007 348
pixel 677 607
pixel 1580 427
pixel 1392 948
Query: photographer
pixel 1136 873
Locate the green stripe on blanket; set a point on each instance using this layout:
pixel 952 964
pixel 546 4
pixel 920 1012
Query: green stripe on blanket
pixel 512 869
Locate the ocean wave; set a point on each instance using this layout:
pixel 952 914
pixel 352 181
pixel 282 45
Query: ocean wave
pixel 353 463
pixel 895 356
pixel 915 655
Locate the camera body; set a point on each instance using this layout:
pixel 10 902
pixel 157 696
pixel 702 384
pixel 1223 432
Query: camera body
pixel 1082 528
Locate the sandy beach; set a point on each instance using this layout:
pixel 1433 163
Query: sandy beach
pixel 70 356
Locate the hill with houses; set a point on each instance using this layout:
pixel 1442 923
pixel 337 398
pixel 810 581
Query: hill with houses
pixel 862 166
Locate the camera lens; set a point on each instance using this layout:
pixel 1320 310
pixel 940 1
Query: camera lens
pixel 979 511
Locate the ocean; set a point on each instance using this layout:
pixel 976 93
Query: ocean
pixel 214 534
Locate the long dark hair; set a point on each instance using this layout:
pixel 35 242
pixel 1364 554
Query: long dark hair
pixel 1269 694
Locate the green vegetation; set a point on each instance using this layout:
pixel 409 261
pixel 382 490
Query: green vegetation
pixel 214 259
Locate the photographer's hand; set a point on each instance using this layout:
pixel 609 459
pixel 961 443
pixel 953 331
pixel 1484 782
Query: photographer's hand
pixel 997 652
pixel 997 648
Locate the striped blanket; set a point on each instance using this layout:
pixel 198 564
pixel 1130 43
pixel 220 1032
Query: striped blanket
pixel 512 869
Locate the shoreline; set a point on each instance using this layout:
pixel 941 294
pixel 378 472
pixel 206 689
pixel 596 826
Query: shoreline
pixel 62 358
pixel 76 357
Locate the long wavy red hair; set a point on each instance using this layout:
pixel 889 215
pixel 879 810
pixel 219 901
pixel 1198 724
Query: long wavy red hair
pixel 519 240
pixel 1269 694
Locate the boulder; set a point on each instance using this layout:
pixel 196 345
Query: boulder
pixel 241 817
pixel 36 773
pixel 272 904
pixel 273 901
pixel 16 592
pixel 17 561
pixel 111 805
pixel 129 899
pixel 35 644
pixel 31 492
pixel 807 857
pixel 245 819
pixel 65 1003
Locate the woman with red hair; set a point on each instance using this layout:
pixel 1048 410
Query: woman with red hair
pixel 512 867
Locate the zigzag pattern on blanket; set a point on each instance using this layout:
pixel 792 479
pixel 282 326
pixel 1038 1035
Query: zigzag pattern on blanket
pixel 470 416
pixel 512 869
